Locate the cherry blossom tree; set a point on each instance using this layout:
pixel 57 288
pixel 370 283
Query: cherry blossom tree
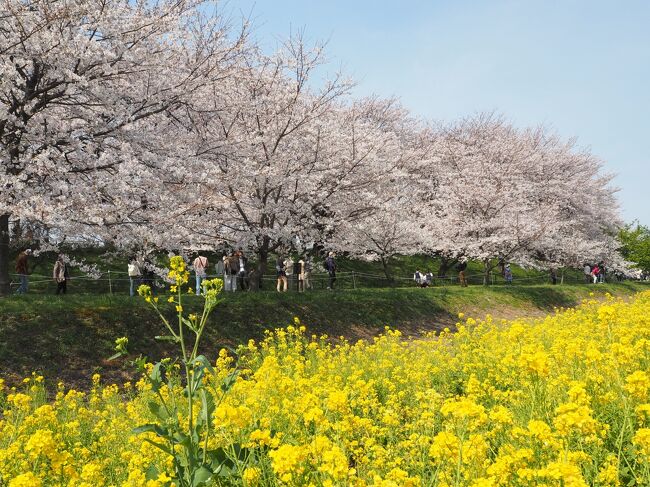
pixel 503 191
pixel 287 161
pixel 82 83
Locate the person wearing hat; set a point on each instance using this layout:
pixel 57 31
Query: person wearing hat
pixel 22 271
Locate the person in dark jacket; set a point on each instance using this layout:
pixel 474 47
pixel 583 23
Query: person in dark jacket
pixel 22 269
pixel 461 273
pixel 553 276
pixel 330 266
pixel 282 284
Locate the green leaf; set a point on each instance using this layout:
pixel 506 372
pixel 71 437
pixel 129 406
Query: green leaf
pixel 205 363
pixel 158 410
pixel 168 338
pixel 188 323
pixel 229 381
pixel 156 377
pixel 152 473
pixel 201 477
pixel 114 356
pixel 160 446
pixel 207 407
pixel 149 428
pixel 218 458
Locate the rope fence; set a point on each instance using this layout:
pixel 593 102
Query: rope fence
pixel 113 282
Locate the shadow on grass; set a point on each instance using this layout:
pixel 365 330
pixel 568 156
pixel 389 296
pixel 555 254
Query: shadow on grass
pixel 68 338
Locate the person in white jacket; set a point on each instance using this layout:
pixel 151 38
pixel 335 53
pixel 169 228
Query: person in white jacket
pixel 135 274
pixel 60 275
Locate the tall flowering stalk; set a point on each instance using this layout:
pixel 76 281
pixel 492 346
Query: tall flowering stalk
pixel 184 430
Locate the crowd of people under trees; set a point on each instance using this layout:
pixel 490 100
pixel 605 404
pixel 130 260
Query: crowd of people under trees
pixel 238 275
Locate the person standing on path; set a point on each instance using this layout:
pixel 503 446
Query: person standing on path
pixel 461 273
pixel 587 272
pixel 135 275
pixel 22 269
pixel 307 267
pixel 301 275
pixel 288 272
pixel 330 265
pixel 60 275
pixel 508 275
pixel 595 271
pixel 282 284
pixel 200 265
pixel 220 268
pixel 242 276
pixel 553 276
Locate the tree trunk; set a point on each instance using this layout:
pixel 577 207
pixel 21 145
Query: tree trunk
pixel 262 262
pixel 4 254
pixel 384 265
pixel 486 275
pixel 445 265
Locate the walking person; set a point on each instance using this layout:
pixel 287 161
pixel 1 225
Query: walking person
pixel 553 276
pixel 595 271
pixel 508 275
pixel 61 275
pixel 200 264
pixel 222 270
pixel 282 284
pixel 601 273
pixel 418 277
pixel 22 269
pixel 301 275
pixel 428 279
pixel 242 277
pixel 297 272
pixel 135 275
pixel 232 271
pixel 219 267
pixel 461 273
pixel 330 266
pixel 587 272
pixel 307 268
pixel 288 272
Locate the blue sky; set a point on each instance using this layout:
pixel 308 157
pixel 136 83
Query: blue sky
pixel 581 68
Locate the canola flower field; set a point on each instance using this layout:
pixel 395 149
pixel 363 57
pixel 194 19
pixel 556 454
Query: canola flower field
pixel 559 401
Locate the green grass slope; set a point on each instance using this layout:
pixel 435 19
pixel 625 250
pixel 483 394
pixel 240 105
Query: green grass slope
pixel 69 337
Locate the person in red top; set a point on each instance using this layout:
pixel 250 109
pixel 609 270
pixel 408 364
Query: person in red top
pixel 22 271
pixel 594 273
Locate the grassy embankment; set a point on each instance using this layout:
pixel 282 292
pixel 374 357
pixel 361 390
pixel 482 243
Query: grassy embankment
pixel 69 337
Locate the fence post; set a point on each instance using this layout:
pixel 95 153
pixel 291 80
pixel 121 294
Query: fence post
pixel 354 281
pixel 110 283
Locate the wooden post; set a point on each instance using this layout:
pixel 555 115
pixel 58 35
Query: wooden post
pixel 354 281
pixel 110 283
